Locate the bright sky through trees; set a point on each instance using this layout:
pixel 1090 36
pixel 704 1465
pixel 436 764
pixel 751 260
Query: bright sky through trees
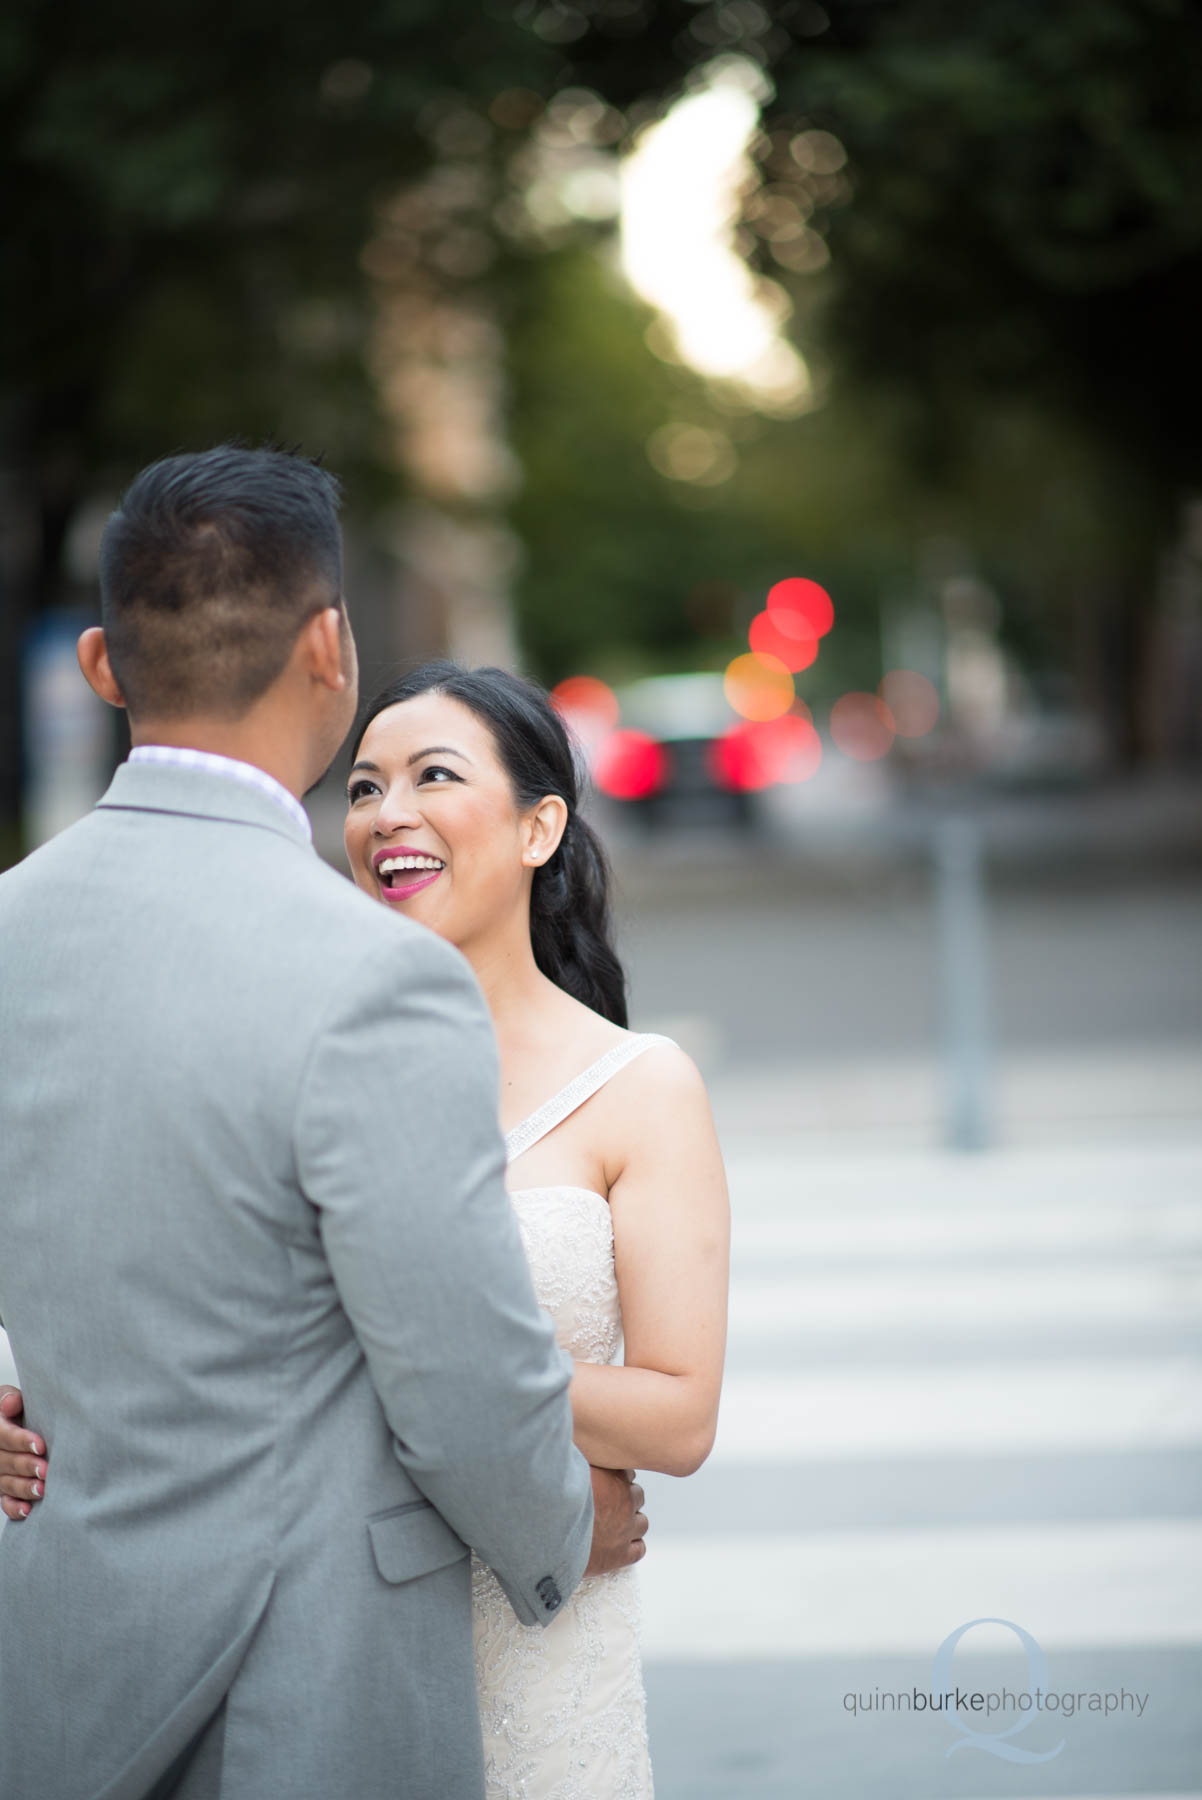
pixel 680 203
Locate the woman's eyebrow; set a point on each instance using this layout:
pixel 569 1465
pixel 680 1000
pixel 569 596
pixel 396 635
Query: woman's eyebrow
pixel 373 767
pixel 438 750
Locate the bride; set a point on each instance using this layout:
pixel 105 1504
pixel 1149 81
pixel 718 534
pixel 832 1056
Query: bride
pixel 462 812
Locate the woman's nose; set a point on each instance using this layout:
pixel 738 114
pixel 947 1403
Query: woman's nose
pixel 395 813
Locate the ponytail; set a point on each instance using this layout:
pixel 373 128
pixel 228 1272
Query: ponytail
pixel 570 926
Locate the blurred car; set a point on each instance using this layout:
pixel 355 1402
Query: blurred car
pixel 677 753
pixel 671 749
pixel 662 761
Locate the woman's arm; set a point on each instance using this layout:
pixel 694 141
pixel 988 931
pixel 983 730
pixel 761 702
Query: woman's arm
pixel 671 1221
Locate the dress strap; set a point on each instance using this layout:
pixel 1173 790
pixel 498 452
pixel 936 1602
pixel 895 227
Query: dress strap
pixel 553 1112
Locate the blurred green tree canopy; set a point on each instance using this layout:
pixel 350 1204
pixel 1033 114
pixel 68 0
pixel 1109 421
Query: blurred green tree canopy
pixel 1022 251
pixel 1011 199
pixel 1008 315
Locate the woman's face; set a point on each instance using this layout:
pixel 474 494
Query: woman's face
pixel 431 825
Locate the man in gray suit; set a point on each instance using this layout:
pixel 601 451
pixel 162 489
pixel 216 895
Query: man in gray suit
pixel 261 1278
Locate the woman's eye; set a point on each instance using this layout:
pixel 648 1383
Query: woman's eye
pixel 437 769
pixel 357 789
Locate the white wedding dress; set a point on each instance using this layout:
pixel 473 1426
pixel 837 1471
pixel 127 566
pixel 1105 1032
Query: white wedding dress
pixel 562 1706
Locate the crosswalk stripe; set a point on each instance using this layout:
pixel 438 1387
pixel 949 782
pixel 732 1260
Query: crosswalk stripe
pixel 956 1300
pixel 1081 1584
pixel 1007 1182
pixel 922 1232
pixel 981 1409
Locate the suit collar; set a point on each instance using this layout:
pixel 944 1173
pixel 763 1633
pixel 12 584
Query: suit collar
pixel 249 774
pixel 198 793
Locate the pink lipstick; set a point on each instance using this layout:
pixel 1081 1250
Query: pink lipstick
pixel 401 887
pixel 401 884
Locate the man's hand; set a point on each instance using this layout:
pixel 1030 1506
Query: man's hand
pixel 22 1464
pixel 619 1522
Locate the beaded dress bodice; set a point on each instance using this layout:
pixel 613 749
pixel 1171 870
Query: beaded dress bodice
pixel 562 1706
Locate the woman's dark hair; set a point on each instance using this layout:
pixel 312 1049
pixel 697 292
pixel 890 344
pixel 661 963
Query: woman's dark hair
pixel 570 926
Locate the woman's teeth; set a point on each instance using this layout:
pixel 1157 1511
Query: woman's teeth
pixel 395 865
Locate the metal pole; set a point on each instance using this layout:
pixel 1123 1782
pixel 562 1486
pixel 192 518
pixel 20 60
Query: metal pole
pixel 965 1007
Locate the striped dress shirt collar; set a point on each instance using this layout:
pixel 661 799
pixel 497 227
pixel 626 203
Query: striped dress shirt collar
pixel 178 757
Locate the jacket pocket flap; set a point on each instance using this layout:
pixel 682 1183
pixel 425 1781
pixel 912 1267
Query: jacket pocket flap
pixel 411 1540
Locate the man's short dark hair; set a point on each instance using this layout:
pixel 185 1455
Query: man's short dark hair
pixel 208 569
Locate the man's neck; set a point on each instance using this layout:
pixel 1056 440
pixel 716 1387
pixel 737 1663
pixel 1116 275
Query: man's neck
pixel 244 741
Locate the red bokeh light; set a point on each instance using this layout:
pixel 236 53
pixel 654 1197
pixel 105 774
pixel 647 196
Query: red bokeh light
pixel 760 752
pixel 631 765
pixel 585 693
pixel 799 596
pixel 786 635
pixel 588 707
pixel 912 700
pixel 799 748
pixel 862 727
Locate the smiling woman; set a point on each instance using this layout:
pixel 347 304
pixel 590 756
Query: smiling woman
pixel 473 772
pixel 462 814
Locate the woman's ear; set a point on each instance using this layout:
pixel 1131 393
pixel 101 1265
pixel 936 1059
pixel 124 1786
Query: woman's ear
pixel 544 827
pixel 93 655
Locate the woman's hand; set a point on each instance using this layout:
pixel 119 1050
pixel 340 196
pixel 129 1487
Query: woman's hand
pixel 22 1459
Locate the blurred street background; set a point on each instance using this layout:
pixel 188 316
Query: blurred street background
pixel 808 394
pixel 961 1384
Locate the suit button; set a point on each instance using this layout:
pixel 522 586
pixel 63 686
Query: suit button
pixel 549 1593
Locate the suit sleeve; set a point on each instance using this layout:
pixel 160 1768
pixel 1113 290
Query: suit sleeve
pixel 399 1149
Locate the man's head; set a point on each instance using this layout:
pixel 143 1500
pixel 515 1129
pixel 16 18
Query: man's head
pixel 219 573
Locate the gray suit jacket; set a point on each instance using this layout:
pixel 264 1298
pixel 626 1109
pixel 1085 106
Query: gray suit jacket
pixel 269 1306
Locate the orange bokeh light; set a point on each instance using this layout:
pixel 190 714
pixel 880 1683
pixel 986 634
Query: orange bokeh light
pixel 862 727
pixel 799 596
pixel 786 635
pixel 912 700
pixel 758 687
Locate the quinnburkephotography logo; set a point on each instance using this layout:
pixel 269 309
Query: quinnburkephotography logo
pixel 962 1706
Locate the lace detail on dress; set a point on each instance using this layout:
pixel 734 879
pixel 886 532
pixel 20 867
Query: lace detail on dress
pixel 568 1238
pixel 562 1706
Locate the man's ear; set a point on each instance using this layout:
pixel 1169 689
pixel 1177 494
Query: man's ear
pixel 93 655
pixel 323 646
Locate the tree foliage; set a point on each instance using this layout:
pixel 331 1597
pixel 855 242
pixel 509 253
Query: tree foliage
pixel 1014 259
pixel 1026 209
pixel 187 194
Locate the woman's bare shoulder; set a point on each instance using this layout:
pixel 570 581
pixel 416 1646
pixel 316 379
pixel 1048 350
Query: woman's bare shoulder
pixel 663 1067
pixel 659 1094
pixel 668 1074
pixel 657 1123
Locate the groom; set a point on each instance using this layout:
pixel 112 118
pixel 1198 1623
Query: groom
pixel 262 1281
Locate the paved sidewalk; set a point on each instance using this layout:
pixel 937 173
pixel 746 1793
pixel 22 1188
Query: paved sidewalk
pixel 959 1388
